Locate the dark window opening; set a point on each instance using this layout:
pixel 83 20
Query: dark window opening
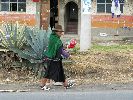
pixel 4 0
pixel 22 7
pixel 108 8
pixel 108 1
pixel 121 7
pixel 104 6
pixel 121 1
pixel 100 1
pixel 13 6
pixel 4 6
pixel 21 0
pixel 13 0
pixel 101 8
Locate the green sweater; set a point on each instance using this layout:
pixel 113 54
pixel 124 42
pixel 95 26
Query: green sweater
pixel 54 44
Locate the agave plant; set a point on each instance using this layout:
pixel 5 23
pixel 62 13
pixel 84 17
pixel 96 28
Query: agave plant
pixel 13 35
pixel 37 41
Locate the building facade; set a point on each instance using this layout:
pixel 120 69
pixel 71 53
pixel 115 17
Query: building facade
pixel 42 13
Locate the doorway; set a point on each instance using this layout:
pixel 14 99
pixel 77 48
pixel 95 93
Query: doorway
pixel 53 13
pixel 71 18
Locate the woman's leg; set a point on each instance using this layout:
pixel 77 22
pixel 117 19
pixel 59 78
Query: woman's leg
pixel 43 84
pixel 67 85
pixel 48 81
pixel 45 78
pixel 43 81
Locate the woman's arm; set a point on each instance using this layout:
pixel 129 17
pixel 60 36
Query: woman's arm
pixel 65 53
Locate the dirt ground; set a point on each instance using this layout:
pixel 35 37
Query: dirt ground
pixel 89 71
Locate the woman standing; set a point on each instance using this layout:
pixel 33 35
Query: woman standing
pixel 54 54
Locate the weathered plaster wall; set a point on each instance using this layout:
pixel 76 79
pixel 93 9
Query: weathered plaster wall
pixel 28 17
pixel 128 8
pixel 31 7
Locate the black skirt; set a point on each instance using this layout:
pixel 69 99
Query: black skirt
pixel 55 71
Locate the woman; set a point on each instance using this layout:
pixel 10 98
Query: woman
pixel 54 54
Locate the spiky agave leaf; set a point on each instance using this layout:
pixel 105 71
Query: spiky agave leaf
pixel 4 40
pixel 30 37
pixel 20 36
pixel 8 33
pixel 38 40
pixel 13 35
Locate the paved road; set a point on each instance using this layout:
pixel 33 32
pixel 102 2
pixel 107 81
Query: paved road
pixel 99 95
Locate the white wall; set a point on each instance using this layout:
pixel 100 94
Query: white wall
pixel 30 7
pixel 128 7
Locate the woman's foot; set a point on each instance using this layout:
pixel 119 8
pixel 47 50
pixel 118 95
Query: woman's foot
pixel 45 88
pixel 69 85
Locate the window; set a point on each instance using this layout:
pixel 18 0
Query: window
pixel 13 5
pixel 104 6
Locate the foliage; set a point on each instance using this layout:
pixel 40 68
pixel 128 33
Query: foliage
pixel 37 42
pixel 125 39
pixel 9 59
pixel 13 35
pixel 76 48
pixel 26 42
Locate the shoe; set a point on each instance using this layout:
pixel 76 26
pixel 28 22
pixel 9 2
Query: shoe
pixel 57 84
pixel 48 84
pixel 69 85
pixel 45 88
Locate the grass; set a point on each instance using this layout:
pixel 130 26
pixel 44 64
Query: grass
pixel 124 47
pixel 111 48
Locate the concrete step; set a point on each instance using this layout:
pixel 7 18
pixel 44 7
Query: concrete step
pixel 71 30
pixel 72 22
pixel 72 26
